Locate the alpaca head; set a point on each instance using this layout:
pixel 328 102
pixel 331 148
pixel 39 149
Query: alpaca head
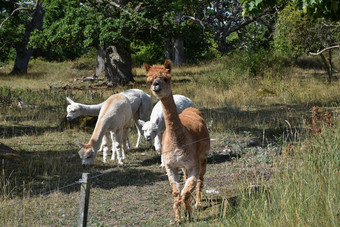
pixel 73 110
pixel 86 154
pixel 150 129
pixel 159 77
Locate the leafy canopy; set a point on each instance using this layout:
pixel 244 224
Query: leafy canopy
pixel 328 9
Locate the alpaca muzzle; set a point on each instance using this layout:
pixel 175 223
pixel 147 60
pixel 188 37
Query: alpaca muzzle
pixel 156 87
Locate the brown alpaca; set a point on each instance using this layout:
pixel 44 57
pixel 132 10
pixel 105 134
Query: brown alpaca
pixel 185 143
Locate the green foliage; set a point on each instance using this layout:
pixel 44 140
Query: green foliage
pixel 328 9
pixel 257 62
pixel 13 30
pixel 150 53
pixel 68 29
pixel 296 34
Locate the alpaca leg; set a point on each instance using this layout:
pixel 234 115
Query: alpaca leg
pixel 158 146
pixel 126 143
pixel 139 131
pixel 118 146
pixel 114 152
pixel 185 176
pixel 158 142
pixel 174 182
pixel 162 162
pixel 186 173
pixel 104 146
pixel 199 185
pixel 189 187
pixel 144 114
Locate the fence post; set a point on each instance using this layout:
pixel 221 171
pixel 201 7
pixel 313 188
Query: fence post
pixel 84 200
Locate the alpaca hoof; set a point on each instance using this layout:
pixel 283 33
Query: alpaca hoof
pixel 175 222
pixel 198 205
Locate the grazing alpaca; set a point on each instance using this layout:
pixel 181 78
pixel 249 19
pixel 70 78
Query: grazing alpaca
pixel 154 128
pixel 186 141
pixel 141 105
pixel 115 116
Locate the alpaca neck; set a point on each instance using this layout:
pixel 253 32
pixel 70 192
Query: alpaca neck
pixel 92 110
pixel 173 124
pixel 98 134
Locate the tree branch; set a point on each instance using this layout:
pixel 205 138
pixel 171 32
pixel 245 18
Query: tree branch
pixel 327 48
pixel 115 5
pixel 197 20
pixel 14 11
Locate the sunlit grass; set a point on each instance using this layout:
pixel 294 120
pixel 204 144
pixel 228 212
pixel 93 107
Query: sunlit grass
pixel 295 175
pixel 304 191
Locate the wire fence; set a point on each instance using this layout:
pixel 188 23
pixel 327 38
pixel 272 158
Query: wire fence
pixel 59 188
pixel 101 174
pixel 91 177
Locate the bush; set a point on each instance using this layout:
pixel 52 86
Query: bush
pixel 257 63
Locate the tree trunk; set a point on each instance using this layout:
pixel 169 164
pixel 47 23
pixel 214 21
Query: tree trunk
pixel 100 61
pixel 23 54
pixel 167 48
pixel 118 65
pixel 328 68
pixel 222 44
pixel 178 52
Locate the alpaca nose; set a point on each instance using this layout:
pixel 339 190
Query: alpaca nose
pixel 68 118
pixel 148 138
pixel 156 86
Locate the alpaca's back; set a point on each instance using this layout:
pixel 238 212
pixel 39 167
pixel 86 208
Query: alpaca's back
pixel 115 113
pixel 140 101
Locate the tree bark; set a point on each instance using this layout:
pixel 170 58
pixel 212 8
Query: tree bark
pixel 100 61
pixel 167 48
pixel 178 52
pixel 23 54
pixel 328 68
pixel 118 65
pixel 328 65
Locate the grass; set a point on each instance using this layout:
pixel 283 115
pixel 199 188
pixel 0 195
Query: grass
pixel 266 167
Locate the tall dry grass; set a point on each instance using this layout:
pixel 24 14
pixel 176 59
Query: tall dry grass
pixel 304 190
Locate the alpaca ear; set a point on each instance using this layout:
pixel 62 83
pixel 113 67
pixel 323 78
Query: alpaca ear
pixel 79 144
pixel 69 100
pixel 147 67
pixel 167 64
pixel 141 122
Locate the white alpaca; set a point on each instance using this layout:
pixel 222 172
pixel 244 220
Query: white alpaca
pixel 115 116
pixel 154 128
pixel 141 105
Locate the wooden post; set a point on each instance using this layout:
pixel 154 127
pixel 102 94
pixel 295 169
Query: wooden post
pixel 84 200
